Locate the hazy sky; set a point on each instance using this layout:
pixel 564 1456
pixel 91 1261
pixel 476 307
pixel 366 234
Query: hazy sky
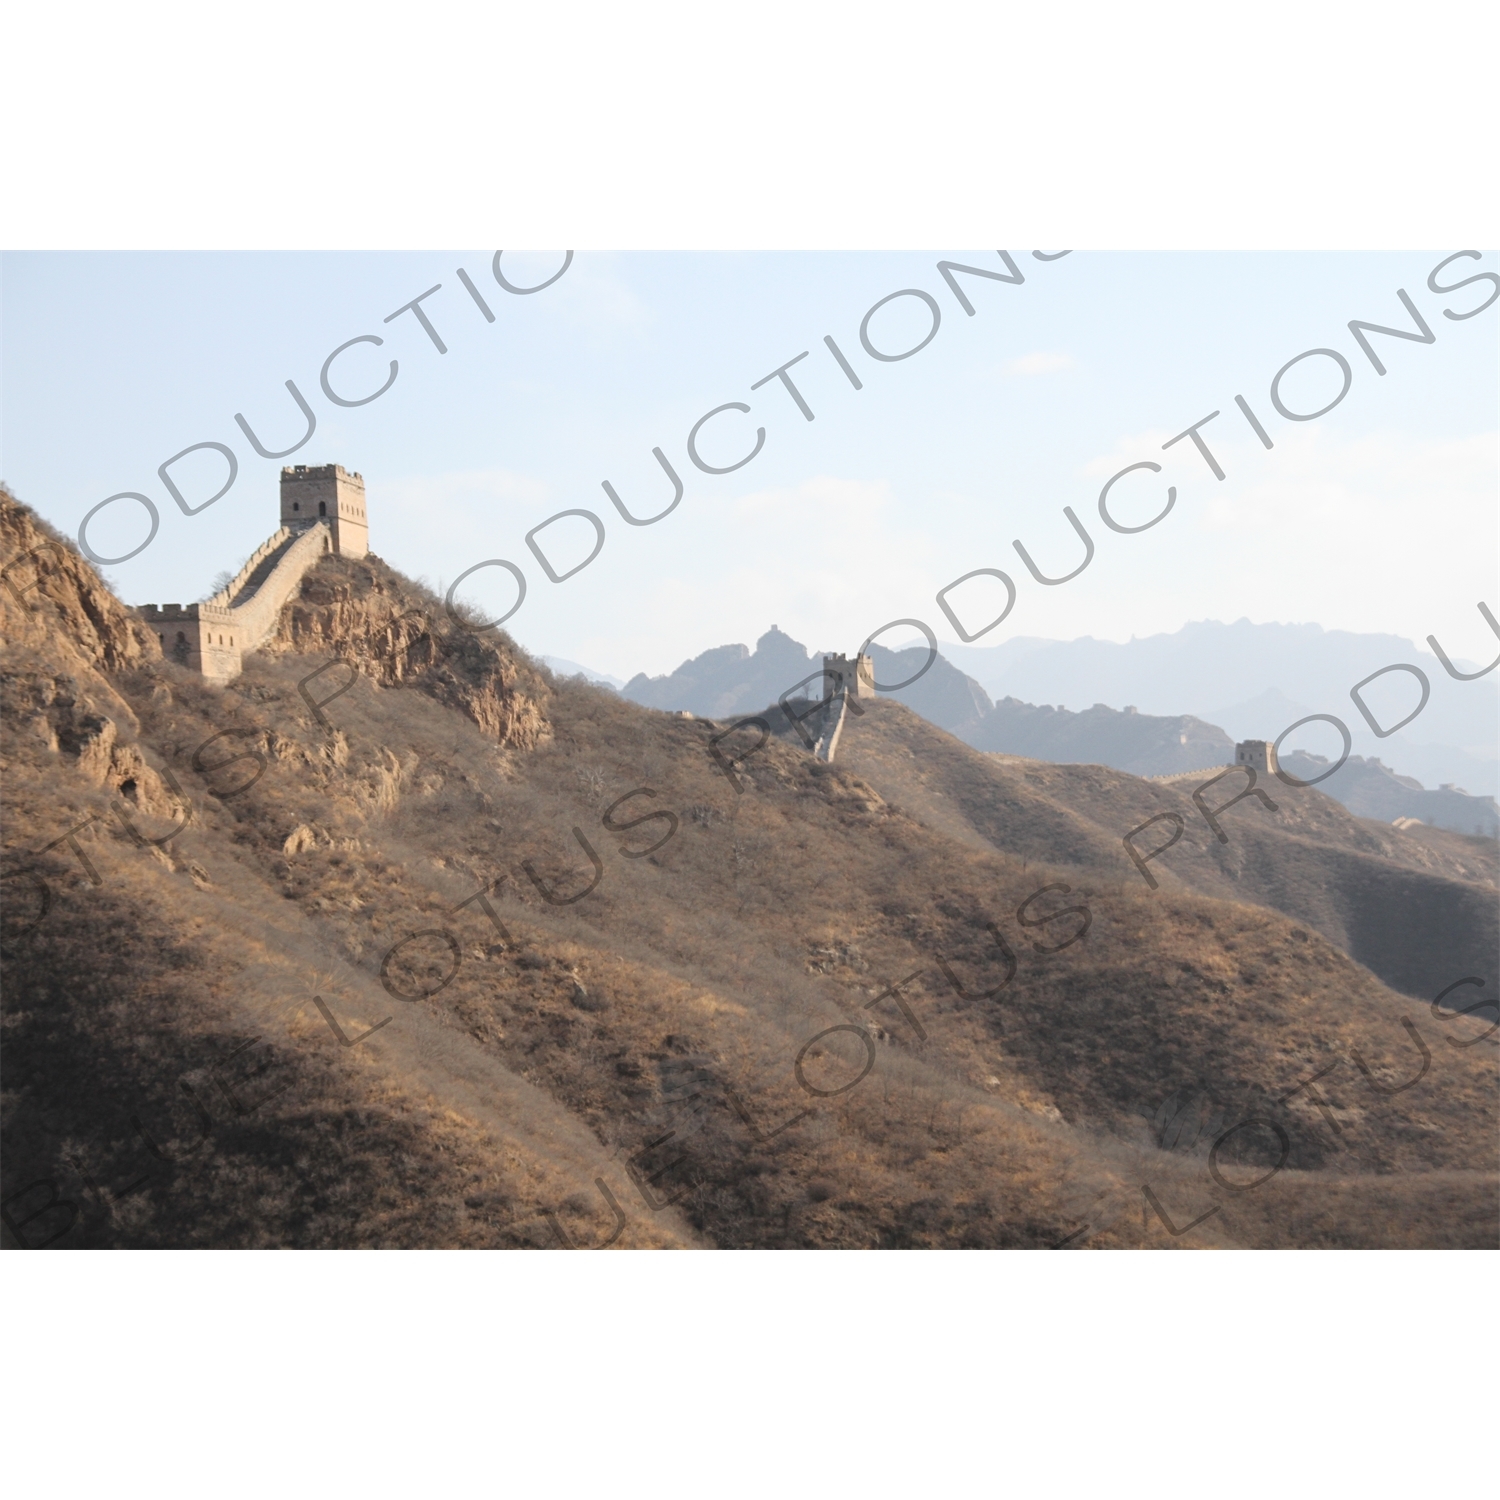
pixel 1379 516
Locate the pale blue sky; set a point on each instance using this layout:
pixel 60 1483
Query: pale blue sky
pixel 1380 516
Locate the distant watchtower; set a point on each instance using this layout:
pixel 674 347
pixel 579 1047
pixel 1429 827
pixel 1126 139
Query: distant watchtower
pixel 1259 755
pixel 327 493
pixel 857 677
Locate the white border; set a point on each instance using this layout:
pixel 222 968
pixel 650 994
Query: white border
pixel 789 124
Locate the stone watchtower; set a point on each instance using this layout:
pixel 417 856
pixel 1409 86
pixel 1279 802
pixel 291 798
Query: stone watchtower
pixel 330 494
pixel 844 681
pixel 1259 755
pixel 857 677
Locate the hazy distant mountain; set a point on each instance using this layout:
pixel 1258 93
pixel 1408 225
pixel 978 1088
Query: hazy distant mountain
pixel 1145 744
pixel 730 680
pixel 1255 680
pixel 1248 720
pixel 1372 790
pixel 565 668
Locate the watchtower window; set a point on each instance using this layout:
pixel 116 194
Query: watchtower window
pixel 295 505
pixel 181 636
pixel 322 508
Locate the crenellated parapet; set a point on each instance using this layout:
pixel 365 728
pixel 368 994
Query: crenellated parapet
pixel 225 597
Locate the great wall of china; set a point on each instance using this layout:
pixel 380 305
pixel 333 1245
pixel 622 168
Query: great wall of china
pixel 322 511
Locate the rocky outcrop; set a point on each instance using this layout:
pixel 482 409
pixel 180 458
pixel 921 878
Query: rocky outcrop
pixel 61 630
pixel 52 597
pixel 398 635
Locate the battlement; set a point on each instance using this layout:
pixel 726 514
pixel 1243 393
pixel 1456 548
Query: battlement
pixel 322 471
pixel 152 614
pixel 228 596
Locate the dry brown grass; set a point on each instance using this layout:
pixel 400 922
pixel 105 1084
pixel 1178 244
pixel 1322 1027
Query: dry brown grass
pixel 648 1034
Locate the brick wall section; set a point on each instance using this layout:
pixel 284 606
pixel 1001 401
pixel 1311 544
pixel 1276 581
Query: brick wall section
pixel 833 726
pixel 225 596
pixel 212 638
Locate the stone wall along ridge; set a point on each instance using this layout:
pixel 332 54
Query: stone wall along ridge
pixel 255 619
pixel 221 600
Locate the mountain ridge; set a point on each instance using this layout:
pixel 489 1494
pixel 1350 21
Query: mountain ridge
pixel 437 948
pixel 732 679
pixel 1207 666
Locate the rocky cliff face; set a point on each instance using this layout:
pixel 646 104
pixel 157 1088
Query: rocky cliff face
pixel 65 635
pixel 61 630
pixel 53 598
pixel 390 630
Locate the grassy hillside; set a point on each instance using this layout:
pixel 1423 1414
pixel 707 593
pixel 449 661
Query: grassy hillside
pixel 638 981
pixel 1417 907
